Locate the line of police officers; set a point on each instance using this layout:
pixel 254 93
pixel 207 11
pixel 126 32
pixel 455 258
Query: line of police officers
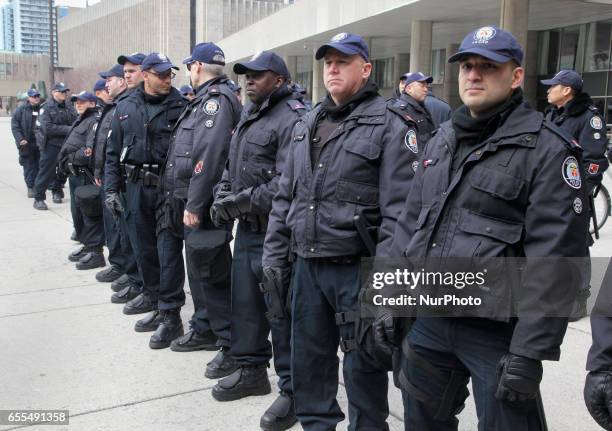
pixel 313 192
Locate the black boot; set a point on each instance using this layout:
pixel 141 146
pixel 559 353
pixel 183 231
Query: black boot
pixel 92 260
pixel 171 327
pixel 150 322
pixel 76 255
pixel 245 381
pixel 221 366
pixel 108 275
pixel 139 305
pixel 57 197
pixel 128 293
pixel 193 341
pixel 40 204
pixel 73 236
pixel 120 283
pixel 280 415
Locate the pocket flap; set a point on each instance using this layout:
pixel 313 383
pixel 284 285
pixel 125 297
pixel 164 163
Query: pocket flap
pixel 497 184
pixel 259 138
pixel 501 230
pixel 362 147
pixel 359 193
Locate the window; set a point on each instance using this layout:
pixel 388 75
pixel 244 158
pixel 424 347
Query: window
pixel 597 54
pixel 382 72
pixel 549 51
pixel 438 61
pixel 570 48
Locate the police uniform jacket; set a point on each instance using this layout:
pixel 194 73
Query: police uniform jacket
pixel 99 136
pixel 416 111
pixel 581 119
pixel 22 123
pixel 200 145
pixel 75 150
pixel 140 134
pixel 365 167
pixel 439 110
pixel 55 121
pixel 258 148
pixel 520 193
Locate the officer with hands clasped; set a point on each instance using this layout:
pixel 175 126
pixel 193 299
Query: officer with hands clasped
pixel 349 156
pixel 258 151
pixel 198 150
pixel 497 180
pixel 23 123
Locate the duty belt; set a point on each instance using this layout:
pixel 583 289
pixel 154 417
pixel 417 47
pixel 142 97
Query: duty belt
pixel 148 173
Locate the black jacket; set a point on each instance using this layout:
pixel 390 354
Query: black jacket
pixel 22 126
pixel 512 197
pixel 55 120
pixel 74 149
pixel 365 167
pixel 439 110
pixel 600 354
pixel 200 145
pixel 416 111
pixel 259 146
pixel 137 139
pixel 581 119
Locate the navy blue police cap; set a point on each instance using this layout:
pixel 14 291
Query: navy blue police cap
pixel 206 52
pixel 157 62
pixel 84 96
pixel 568 78
pixel 134 58
pixel 492 43
pixel 100 85
pixel 409 78
pixel 346 43
pixel 116 70
pixel 60 86
pixel 233 86
pixel 33 92
pixel 262 61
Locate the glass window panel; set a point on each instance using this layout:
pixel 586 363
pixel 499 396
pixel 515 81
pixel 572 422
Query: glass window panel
pixel 594 83
pixel 569 47
pixel 597 55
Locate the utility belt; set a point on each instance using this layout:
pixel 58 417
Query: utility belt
pixel 350 259
pixel 147 173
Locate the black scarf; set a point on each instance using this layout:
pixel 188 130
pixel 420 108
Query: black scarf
pixel 470 132
pixel 338 112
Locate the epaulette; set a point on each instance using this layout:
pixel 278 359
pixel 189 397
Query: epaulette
pixel 594 109
pixel 214 90
pixel 567 139
pixel 295 104
pixel 404 115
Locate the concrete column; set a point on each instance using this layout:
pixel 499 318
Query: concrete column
pixel 530 85
pixel 209 23
pixel 401 65
pixel 291 62
pixel 420 46
pixel 451 74
pixel 318 89
pixel 514 17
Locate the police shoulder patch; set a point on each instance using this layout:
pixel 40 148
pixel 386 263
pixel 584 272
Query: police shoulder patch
pixel 571 172
pixel 596 122
pixel 410 140
pixel 211 107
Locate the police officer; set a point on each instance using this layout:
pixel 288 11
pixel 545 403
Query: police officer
pixel 138 152
pixel 23 123
pixel 597 388
pixel 349 157
pixel 439 110
pixel 55 119
pixel 76 160
pixel 411 101
pixel 102 93
pixel 121 82
pixel 573 111
pixel 197 154
pixel 258 151
pixel 495 181
pixel 187 92
pixel 236 89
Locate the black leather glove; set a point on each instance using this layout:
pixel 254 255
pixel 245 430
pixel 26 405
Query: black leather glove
pixel 276 284
pixel 113 203
pixel 598 397
pixel 216 217
pixel 518 378
pixel 233 205
pixel 385 330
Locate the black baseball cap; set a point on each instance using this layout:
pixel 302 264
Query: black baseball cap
pixel 84 96
pixel 492 43
pixel 568 78
pixel 116 70
pixel 264 60
pixel 33 92
pixel 134 58
pixel 157 62
pixel 60 86
pixel 100 85
pixel 346 43
pixel 416 77
pixel 206 52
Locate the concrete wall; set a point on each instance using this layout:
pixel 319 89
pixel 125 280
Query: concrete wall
pixel 19 71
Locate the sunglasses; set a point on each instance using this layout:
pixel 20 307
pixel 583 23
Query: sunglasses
pixel 165 75
pixel 191 64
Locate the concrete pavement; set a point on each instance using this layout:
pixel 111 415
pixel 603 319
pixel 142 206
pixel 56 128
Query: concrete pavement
pixel 65 346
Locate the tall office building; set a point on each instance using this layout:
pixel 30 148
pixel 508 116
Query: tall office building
pixel 31 26
pixel 7 39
